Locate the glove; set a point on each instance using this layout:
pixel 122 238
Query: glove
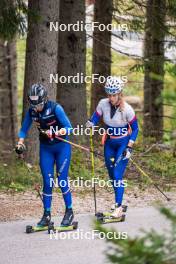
pixel 61 132
pixel 20 148
pixel 127 153
pixel 45 134
pixel 48 133
pixel 89 124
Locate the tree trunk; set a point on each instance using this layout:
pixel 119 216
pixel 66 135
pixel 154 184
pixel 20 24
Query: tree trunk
pixel 101 49
pixel 154 69
pixel 8 97
pixel 72 59
pixel 41 59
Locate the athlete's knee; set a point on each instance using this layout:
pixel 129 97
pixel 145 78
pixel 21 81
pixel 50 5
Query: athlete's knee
pixel 63 183
pixel 47 190
pixel 65 189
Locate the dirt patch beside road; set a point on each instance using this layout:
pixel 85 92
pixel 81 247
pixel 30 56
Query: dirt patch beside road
pixel 25 205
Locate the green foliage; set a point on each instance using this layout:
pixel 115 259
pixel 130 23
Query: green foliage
pixel 134 13
pixel 78 168
pixel 12 18
pixel 18 176
pixel 138 67
pixel 169 93
pixel 171 8
pixel 148 248
pixel 81 166
pixel 21 49
pixel 160 165
pixel 171 69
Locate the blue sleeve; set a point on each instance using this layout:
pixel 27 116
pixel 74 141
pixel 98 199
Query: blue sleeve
pixel 27 122
pixel 95 118
pixel 135 129
pixel 63 119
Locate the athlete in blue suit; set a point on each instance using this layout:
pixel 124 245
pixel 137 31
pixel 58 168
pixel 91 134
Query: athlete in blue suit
pixel 121 133
pixel 44 114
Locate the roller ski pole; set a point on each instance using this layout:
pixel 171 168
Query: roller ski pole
pixel 147 176
pixel 93 171
pixel 67 223
pixel 37 189
pixel 76 145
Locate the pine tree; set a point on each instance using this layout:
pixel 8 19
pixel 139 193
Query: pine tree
pixel 72 61
pixel 41 58
pixel 101 63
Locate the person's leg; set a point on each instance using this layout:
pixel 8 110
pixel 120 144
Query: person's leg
pixel 63 156
pixel 47 170
pixel 118 173
pixel 109 155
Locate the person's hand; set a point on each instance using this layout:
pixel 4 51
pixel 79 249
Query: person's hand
pixel 20 147
pixel 89 124
pixel 49 133
pixel 61 132
pixel 127 153
pixel 45 134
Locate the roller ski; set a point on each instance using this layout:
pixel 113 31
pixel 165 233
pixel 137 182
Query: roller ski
pixel 67 223
pixel 42 225
pixel 115 215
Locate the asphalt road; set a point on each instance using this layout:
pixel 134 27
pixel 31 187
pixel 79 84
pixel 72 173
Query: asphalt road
pixel 78 247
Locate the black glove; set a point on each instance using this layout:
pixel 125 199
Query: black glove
pixel 127 153
pixel 20 148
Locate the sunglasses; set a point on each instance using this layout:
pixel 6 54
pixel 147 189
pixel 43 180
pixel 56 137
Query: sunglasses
pixel 36 106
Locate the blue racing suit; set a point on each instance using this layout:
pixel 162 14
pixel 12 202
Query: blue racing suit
pixel 121 127
pixel 52 150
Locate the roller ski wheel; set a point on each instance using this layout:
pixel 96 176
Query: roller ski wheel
pixel 61 228
pixel 108 220
pixel 29 229
pixel 42 225
pixel 32 229
pixel 50 227
pixel 108 214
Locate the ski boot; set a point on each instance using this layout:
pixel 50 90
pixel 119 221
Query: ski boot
pixel 114 206
pixel 117 212
pixel 45 220
pixel 116 215
pixel 66 224
pixel 68 217
pixel 42 225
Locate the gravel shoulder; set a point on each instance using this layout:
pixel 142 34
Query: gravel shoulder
pixel 19 206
